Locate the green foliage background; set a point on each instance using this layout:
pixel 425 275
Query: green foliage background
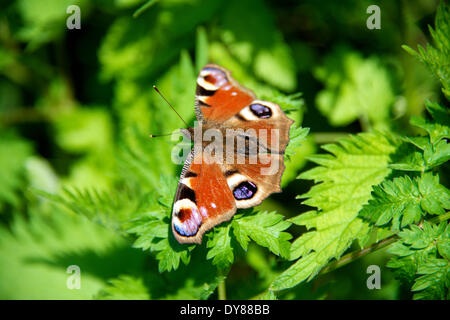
pixel 81 183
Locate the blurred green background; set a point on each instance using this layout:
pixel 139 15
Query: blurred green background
pixel 77 106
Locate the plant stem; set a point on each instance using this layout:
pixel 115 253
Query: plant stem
pixel 352 256
pixel 144 7
pixel 221 290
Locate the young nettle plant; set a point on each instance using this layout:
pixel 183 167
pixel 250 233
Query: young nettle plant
pixel 382 188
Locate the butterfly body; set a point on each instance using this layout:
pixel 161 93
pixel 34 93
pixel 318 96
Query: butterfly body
pixel 237 160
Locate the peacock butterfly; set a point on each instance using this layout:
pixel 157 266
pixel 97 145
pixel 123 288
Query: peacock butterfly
pixel 241 168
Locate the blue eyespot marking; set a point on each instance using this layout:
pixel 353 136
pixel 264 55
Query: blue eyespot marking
pixel 187 221
pixel 245 190
pixel 260 111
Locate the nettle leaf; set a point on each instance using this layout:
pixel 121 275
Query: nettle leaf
pixel 45 23
pixel 220 242
pixel 347 176
pixel 424 153
pixel 130 210
pixel 36 251
pixel 195 281
pixel 110 209
pixel 154 233
pixel 266 229
pixel 355 87
pixel 436 154
pixel 170 252
pixel 439 127
pixel 408 156
pixel 296 153
pixel 124 288
pixel 201 49
pixel 258 45
pixel 268 295
pixel 168 186
pixel 403 201
pixel 423 257
pixel 436 57
pixel 297 136
pixel 13 155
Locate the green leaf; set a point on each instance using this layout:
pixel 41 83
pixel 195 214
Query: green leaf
pixel 87 131
pixel 347 175
pixel 268 295
pixel 434 149
pixel 403 201
pixel 435 280
pixel 44 22
pixel 259 46
pixel 436 57
pixel 124 287
pixel 354 88
pixel 407 156
pixel 435 197
pixel 297 136
pixel 110 209
pixel 13 155
pixel 36 252
pixel 154 232
pixel 201 49
pixel 438 128
pixel 266 229
pixel 147 216
pixel 423 257
pixel 196 281
pixel 436 154
pixel 221 249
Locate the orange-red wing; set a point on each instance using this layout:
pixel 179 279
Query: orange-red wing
pixel 218 95
pixel 203 200
pixel 266 122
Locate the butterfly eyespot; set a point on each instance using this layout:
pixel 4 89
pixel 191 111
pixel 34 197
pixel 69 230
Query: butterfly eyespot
pixel 261 111
pixel 187 219
pixel 209 78
pixel 245 190
pixel 184 214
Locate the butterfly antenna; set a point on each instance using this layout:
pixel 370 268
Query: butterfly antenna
pixel 154 87
pixel 160 135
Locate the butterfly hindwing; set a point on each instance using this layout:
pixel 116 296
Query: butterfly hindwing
pixel 266 122
pixel 251 183
pixel 202 201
